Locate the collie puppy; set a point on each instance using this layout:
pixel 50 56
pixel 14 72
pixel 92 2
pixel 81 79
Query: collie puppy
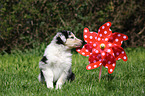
pixel 55 66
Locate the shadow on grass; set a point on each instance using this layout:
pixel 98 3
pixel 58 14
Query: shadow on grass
pixel 108 77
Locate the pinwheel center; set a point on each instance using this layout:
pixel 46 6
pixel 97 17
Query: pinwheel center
pixel 102 46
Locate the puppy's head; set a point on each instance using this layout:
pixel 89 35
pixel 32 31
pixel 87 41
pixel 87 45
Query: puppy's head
pixel 68 39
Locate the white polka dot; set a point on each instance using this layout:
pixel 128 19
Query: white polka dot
pixel 117 53
pixel 86 41
pixel 108 50
pixel 124 57
pixel 124 37
pixel 91 32
pixel 100 35
pixel 105 32
pixel 119 58
pixel 119 35
pixel 106 39
pixel 103 27
pixel 122 52
pixel 78 50
pixel 83 53
pixel 113 65
pixel 95 37
pixel 87 50
pixel 91 37
pixel 99 30
pixel 99 39
pixel 111 70
pixel 116 40
pixel 94 45
pixel 109 29
pixel 100 59
pixel 103 54
pixel 108 24
pixel 94 61
pixel 86 30
pixel 113 54
pixel 89 67
pixel 85 36
pixel 110 44
pixel 106 66
pixel 109 62
pixel 97 51
pixel 95 66
pixel 100 64
pixel 121 42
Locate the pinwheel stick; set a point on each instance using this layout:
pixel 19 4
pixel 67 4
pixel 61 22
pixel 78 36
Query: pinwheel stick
pixel 100 73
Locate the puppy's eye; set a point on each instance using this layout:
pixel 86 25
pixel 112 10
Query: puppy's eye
pixel 72 37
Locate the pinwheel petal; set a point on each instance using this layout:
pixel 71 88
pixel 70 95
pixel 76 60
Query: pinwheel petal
pixel 120 53
pixel 110 59
pixel 111 67
pixel 110 63
pixel 93 65
pixel 118 38
pixel 95 52
pixel 103 55
pixel 103 48
pixel 83 51
pixel 109 51
pixel 94 58
pixel 105 31
pixel 89 37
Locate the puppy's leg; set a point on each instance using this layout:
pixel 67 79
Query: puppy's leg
pixel 61 80
pixel 48 75
pixel 41 77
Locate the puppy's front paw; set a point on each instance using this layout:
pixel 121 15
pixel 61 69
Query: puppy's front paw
pixel 50 86
pixel 58 85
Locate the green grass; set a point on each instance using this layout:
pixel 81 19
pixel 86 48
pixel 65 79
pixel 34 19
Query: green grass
pixel 19 72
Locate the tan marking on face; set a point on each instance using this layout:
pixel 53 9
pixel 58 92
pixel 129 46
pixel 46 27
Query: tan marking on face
pixel 73 42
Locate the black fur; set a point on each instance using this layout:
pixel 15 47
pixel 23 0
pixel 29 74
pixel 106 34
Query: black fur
pixel 71 76
pixel 44 59
pixel 42 76
pixel 59 41
pixel 66 33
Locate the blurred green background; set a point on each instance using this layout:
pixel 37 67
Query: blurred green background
pixel 26 24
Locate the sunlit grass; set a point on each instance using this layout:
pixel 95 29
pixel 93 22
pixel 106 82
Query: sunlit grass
pixel 19 72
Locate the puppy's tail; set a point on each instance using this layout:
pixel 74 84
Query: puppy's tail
pixel 71 76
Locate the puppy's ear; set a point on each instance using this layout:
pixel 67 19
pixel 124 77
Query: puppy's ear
pixel 66 33
pixel 60 39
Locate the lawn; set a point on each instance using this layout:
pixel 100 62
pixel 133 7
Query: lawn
pixel 19 72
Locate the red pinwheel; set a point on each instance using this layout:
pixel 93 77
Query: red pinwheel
pixel 103 48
